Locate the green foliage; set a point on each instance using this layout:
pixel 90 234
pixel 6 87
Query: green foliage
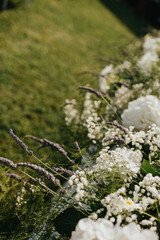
pixel 8 189
pixel 146 167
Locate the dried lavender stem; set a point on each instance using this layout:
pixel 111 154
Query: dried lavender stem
pixel 77 146
pixel 118 126
pixel 56 145
pixel 50 177
pixel 96 92
pixel 64 170
pixel 46 142
pixel 65 104
pixel 18 140
pixel 14 176
pixel 8 162
pixel 35 138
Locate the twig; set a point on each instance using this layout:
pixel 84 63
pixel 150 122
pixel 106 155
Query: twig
pixel 8 162
pixel 96 92
pixel 14 176
pixel 77 146
pixel 18 140
pixel 35 138
pixel 64 170
pixel 46 142
pixel 118 126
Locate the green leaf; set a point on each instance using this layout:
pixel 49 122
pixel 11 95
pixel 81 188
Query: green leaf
pixel 146 167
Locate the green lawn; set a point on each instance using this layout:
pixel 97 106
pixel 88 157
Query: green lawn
pixel 42 50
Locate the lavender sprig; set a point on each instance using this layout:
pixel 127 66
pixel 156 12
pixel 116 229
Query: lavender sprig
pixel 64 170
pixel 14 176
pixel 118 126
pixel 77 146
pixel 18 140
pixel 49 176
pixel 35 138
pixel 46 142
pixel 96 92
pixel 56 145
pixel 8 162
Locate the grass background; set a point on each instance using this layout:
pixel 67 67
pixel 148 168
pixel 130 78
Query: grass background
pixel 43 48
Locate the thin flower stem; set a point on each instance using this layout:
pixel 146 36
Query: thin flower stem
pixel 157 209
pixel 48 189
pixel 149 215
pixel 72 161
pixel 73 199
pixel 48 167
pixel 107 102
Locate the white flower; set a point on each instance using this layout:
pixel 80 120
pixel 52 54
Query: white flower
pixel 142 112
pixel 106 70
pixel 146 62
pixel 151 44
pixel 103 229
pixel 150 57
pixel 70 112
pixel 126 65
pixel 123 160
pixel 122 96
pixel 103 84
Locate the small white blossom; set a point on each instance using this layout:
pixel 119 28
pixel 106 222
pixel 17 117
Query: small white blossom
pixel 70 112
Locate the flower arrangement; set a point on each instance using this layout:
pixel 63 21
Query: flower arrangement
pixel 114 183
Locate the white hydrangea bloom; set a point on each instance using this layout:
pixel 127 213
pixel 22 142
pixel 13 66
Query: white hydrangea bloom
pixel 150 58
pixel 103 229
pixel 142 112
pixel 146 62
pixel 151 44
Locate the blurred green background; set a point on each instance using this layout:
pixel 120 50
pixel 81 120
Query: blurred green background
pixel 43 48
